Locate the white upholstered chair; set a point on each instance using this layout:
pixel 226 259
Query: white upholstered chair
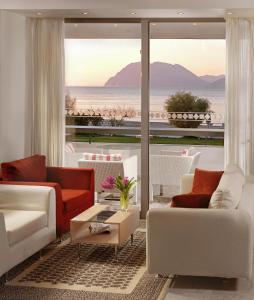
pixel 27 222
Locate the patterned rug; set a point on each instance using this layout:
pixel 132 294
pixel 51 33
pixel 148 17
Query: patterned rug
pixel 96 274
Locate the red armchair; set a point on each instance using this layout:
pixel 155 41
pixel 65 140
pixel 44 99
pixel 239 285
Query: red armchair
pixel 74 187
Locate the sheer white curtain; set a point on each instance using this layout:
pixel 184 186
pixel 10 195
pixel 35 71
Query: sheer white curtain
pixel 45 57
pixel 239 135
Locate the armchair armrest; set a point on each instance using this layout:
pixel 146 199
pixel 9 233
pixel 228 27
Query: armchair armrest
pixel 58 196
pixel 25 197
pixel 186 183
pixel 200 242
pixel 4 249
pixel 72 178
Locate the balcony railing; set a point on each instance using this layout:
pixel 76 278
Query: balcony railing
pixel 130 113
pixel 211 124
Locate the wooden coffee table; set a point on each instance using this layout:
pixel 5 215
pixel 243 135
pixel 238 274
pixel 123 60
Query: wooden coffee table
pixel 122 224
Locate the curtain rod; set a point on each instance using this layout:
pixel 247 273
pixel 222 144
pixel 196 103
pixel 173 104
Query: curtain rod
pixel 138 20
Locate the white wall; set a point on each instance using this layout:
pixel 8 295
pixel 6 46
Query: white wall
pixel 12 86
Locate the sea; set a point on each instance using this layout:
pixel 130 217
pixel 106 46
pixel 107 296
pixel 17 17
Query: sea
pixel 126 98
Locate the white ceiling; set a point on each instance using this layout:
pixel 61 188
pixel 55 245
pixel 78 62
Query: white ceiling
pixel 126 4
pixel 125 13
pixel 157 31
pixel 125 8
pixel 138 13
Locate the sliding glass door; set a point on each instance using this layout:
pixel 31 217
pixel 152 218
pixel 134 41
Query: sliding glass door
pixel 149 94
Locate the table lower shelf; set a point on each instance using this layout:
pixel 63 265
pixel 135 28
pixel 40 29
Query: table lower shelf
pixel 111 238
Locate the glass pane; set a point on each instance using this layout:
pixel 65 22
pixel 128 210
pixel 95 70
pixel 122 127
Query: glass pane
pixel 187 93
pixel 103 102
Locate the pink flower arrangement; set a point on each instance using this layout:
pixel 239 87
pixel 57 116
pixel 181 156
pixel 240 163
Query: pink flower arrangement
pixel 124 185
pixel 108 183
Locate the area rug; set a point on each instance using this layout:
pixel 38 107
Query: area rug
pixel 96 274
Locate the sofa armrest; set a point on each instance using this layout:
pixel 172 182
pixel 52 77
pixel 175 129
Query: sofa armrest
pixel 201 242
pixel 25 197
pixel 72 178
pixel 186 183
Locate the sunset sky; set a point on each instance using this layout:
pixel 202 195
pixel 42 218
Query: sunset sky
pixel 91 62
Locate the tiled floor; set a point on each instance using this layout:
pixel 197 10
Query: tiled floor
pixel 197 288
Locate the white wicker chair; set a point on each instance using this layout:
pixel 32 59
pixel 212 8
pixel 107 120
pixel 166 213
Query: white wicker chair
pixel 167 170
pixel 126 167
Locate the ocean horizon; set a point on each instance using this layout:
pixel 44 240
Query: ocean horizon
pixel 111 97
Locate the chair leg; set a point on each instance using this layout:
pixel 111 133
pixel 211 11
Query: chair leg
pixel 5 278
pixel 41 254
pixel 161 190
pixel 59 239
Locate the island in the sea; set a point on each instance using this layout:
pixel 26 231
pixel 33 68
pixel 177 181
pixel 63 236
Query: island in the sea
pixel 165 75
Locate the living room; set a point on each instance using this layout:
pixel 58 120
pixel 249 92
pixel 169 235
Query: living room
pixel 126 150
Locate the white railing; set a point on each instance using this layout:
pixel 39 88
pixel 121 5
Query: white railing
pixel 130 113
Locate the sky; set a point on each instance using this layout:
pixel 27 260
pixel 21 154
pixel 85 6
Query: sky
pixel 91 62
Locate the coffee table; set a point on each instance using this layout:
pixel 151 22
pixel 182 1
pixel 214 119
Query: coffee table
pixel 123 225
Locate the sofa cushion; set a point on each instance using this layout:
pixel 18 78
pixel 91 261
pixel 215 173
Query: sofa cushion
pixel 229 191
pixel 32 168
pixel 21 224
pixel 191 200
pixel 73 199
pixel 102 157
pixel 205 182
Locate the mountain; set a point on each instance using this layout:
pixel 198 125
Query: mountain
pixel 162 75
pixel 218 84
pixel 129 76
pixel 211 78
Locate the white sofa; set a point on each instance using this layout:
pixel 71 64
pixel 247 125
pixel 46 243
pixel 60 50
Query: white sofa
pixel 27 222
pixel 202 242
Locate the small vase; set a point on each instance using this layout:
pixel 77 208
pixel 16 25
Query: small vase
pixel 124 202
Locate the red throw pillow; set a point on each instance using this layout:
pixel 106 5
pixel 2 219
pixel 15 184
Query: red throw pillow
pixel 205 182
pixel 31 168
pixel 191 200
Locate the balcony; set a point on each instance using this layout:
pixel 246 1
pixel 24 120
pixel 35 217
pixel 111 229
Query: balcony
pixel 164 138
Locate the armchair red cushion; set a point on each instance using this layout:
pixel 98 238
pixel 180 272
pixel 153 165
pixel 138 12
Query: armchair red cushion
pixel 191 200
pixel 73 198
pixel 74 189
pixel 28 169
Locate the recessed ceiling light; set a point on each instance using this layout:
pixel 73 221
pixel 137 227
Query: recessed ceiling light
pixel 154 24
pixel 133 13
pixel 229 13
pixel 76 25
pixel 84 13
pixel 115 25
pixel 39 13
pixel 180 13
pixel 194 24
